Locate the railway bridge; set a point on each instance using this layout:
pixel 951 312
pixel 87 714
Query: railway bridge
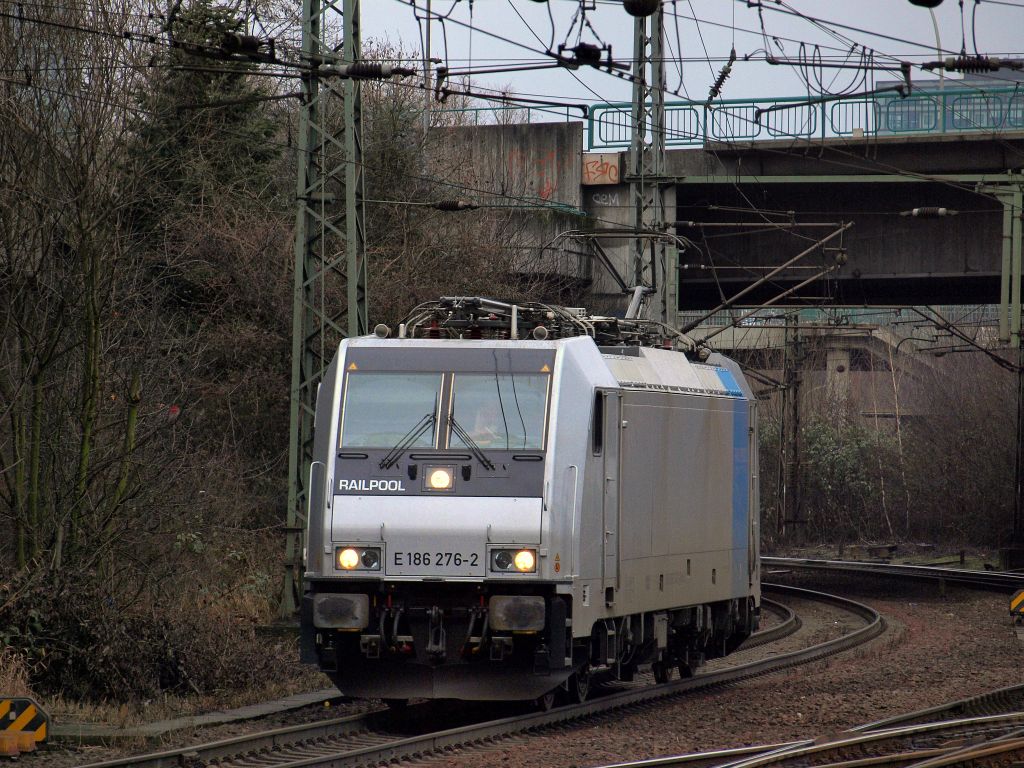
pixel 930 188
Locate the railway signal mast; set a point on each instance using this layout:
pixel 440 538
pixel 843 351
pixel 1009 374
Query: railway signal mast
pixel 329 248
pixel 653 260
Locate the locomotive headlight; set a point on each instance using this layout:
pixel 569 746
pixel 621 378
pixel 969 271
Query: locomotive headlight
pixel 512 560
pixel 348 558
pixel 525 561
pixel 370 559
pixel 361 558
pixel 439 478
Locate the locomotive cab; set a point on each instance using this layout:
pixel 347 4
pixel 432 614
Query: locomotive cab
pixel 433 573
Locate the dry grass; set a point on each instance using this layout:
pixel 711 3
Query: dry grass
pixel 14 674
pixel 304 679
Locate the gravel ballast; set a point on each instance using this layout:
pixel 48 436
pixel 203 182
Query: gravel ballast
pixel 936 649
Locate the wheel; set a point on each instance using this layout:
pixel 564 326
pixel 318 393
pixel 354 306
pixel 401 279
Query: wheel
pixel 546 702
pixel 579 685
pixel 396 705
pixel 685 670
pixel 662 672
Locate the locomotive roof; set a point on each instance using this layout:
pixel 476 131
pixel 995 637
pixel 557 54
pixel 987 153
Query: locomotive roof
pixel 631 367
pixel 665 370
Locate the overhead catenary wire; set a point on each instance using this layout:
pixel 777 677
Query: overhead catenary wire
pixel 683 134
pixel 898 170
pixel 392 201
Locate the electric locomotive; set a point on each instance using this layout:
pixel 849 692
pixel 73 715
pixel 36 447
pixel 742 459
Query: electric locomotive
pixel 505 499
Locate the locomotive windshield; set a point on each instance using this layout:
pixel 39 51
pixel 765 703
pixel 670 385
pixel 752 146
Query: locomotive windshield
pixel 380 408
pixel 444 409
pixel 500 411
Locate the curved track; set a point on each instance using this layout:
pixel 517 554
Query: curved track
pixel 983 729
pixel 370 739
pixel 996 580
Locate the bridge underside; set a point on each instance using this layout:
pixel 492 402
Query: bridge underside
pixel 747 229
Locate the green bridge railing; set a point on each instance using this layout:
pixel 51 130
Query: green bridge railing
pixel 691 123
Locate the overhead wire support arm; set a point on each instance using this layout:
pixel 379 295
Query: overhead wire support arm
pixel 943 324
pixel 756 224
pixel 441 94
pixel 774 300
pixel 903 67
pixel 901 89
pixel 766 278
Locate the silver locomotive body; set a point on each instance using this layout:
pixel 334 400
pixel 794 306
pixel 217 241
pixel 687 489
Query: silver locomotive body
pixel 491 517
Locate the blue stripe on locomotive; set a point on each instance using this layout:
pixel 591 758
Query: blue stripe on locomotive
pixel 740 487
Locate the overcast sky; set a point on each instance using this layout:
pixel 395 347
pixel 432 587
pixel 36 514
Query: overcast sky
pixel 465 40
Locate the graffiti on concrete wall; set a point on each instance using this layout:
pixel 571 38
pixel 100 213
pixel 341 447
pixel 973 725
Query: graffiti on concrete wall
pixel 541 171
pixel 602 168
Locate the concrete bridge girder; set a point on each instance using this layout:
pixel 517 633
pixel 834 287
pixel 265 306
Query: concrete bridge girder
pixel 973 257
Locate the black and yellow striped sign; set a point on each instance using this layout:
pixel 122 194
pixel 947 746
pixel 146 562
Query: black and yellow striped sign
pixel 1017 603
pixel 24 715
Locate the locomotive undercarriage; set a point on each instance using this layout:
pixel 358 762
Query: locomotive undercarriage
pixel 471 641
pixel 680 638
pixel 497 641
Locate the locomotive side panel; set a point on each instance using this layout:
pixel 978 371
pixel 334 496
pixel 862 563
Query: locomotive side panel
pixel 321 473
pixel 684 524
pixel 579 369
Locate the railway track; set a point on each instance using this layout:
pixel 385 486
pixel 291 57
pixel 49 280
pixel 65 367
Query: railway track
pixel 984 720
pixel 962 741
pixel 377 737
pixel 984 729
pixel 995 580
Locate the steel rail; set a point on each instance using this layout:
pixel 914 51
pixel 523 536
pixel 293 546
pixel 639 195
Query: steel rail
pixel 288 748
pixel 789 624
pixel 711 757
pixel 352 725
pixel 873 742
pixel 807 752
pixel 995 702
pixel 981 579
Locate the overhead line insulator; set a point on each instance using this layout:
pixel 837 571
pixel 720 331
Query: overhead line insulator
pixel 716 89
pixel 929 212
pixel 367 71
pixel 455 205
pixel 968 64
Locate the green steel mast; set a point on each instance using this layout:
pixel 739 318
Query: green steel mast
pixel 329 290
pixel 652 261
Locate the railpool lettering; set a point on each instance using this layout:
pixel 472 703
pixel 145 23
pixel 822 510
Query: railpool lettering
pixel 371 485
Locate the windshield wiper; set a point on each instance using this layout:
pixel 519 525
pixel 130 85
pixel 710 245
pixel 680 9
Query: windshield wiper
pixel 475 449
pixel 407 441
